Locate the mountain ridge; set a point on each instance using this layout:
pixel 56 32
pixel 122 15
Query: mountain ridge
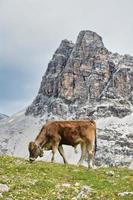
pixel 3 116
pixel 83 80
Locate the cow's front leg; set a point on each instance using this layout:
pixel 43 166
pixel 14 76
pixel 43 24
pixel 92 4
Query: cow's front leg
pixel 55 145
pixel 54 149
pixel 61 151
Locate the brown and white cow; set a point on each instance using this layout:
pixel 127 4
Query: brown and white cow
pixel 56 133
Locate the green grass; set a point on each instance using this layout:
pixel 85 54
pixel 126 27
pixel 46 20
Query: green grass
pixel 42 180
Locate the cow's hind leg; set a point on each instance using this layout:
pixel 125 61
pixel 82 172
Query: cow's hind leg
pixel 90 153
pixel 83 153
pixel 53 153
pixel 61 151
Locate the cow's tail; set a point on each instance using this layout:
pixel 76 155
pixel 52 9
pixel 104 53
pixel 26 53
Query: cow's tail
pixel 95 148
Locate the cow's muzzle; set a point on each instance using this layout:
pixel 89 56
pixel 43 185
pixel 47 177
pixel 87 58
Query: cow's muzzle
pixel 31 159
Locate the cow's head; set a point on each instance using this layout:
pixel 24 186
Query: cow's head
pixel 34 151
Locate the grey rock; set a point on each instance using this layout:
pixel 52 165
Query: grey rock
pixel 123 194
pixel 131 166
pixel 3 188
pixel 110 173
pixel 84 192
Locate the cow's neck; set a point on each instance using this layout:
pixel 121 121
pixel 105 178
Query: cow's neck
pixel 40 142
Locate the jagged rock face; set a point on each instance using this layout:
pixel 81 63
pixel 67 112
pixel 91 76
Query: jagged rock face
pixel 86 80
pixel 49 85
pixel 2 116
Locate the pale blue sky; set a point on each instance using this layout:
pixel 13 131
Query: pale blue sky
pixel 31 30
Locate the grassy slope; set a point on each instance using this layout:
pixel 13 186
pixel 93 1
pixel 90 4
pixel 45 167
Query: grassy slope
pixel 42 180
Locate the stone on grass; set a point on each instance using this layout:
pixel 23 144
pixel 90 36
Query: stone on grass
pixel 131 166
pixel 3 188
pixel 66 185
pixel 84 192
pixel 122 194
pixel 110 173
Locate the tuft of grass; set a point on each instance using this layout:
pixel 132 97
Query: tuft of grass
pixel 46 181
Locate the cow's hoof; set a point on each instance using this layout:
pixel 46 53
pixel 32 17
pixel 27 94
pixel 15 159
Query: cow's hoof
pixel 92 167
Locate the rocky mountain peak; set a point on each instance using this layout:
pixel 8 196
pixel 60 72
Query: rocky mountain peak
pixel 85 79
pixel 89 38
pixel 60 57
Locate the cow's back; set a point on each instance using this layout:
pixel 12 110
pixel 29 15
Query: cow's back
pixel 71 132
